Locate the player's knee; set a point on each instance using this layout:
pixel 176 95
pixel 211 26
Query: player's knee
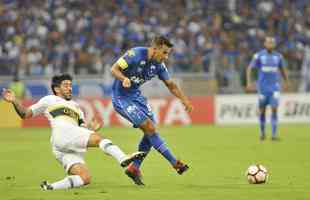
pixel 86 178
pixel 148 127
pixel 150 131
pixel 97 139
pixel 262 111
pixel 94 140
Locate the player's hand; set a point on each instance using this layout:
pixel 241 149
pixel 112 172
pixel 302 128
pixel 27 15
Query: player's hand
pixel 250 87
pixel 126 83
pixel 8 95
pixel 95 124
pixel 188 105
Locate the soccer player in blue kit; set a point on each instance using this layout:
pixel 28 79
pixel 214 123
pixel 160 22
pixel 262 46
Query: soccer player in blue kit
pixel 269 63
pixel 131 70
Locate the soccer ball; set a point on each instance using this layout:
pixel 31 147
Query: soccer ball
pixel 257 174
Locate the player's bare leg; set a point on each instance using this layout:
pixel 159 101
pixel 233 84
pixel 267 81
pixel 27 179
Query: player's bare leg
pixel 262 122
pixel 274 122
pixel 78 176
pixel 106 145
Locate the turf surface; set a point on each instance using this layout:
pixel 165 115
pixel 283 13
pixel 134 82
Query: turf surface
pixel 218 158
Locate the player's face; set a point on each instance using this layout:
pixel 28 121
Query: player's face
pixel 269 43
pixel 162 53
pixel 65 89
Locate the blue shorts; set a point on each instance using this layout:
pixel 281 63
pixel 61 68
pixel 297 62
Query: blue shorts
pixel 269 98
pixel 135 109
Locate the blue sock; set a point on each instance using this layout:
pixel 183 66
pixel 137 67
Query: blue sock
pixel 144 146
pixel 162 148
pixel 274 123
pixel 262 122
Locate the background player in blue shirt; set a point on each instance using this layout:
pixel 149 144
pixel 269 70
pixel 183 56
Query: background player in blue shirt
pixel 269 63
pixel 134 68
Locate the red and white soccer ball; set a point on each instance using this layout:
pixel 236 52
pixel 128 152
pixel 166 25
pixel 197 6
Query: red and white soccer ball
pixel 257 174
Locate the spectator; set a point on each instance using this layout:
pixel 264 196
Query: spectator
pixel 47 36
pixel 18 87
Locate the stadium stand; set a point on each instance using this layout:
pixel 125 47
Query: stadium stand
pixel 211 37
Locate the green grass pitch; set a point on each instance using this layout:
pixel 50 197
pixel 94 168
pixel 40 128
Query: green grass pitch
pixel 218 158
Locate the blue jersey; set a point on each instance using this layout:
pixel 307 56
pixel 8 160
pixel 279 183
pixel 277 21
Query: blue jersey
pixel 268 65
pixel 136 66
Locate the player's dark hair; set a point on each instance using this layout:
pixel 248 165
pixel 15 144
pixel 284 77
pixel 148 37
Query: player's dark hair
pixel 161 40
pixel 57 79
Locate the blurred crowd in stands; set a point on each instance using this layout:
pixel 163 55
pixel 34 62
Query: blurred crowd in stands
pixel 216 37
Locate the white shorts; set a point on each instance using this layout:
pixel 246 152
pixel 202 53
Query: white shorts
pixel 67 160
pixel 69 144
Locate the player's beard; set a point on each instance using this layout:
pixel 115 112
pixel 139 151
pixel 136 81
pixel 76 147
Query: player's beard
pixel 67 96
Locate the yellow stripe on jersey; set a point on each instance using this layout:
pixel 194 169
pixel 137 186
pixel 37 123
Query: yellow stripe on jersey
pixel 65 111
pixel 61 110
pixel 122 63
pixel 131 53
pixel 60 105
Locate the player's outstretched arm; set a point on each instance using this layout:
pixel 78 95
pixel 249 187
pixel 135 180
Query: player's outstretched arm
pixel 9 96
pixel 176 91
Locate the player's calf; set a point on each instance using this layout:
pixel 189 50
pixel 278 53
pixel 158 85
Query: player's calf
pixel 68 182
